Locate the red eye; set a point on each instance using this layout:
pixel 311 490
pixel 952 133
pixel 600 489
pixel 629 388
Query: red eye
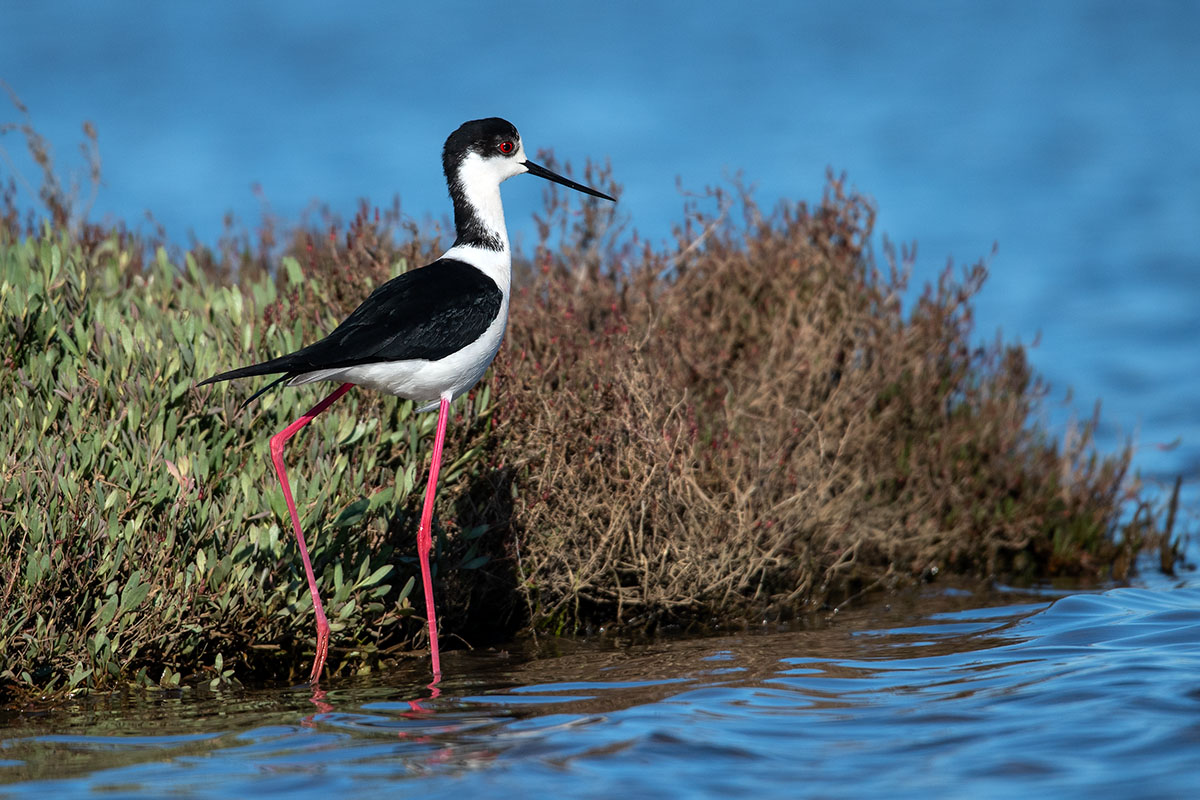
pixel 506 147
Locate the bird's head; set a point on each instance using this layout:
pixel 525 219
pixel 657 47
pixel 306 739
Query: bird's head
pixel 490 151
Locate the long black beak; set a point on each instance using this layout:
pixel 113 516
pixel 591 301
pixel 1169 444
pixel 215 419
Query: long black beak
pixel 542 172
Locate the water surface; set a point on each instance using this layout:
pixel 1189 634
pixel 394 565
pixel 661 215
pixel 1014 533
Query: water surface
pixel 1083 695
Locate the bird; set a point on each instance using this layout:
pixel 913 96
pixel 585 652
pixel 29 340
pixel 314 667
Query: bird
pixel 427 335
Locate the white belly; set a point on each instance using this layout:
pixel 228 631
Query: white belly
pixel 421 380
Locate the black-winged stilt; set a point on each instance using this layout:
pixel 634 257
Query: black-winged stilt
pixel 427 335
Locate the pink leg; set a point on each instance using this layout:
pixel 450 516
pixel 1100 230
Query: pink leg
pixel 425 536
pixel 277 442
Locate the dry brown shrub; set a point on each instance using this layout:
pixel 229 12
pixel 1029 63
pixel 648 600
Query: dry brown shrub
pixel 747 422
pixel 752 424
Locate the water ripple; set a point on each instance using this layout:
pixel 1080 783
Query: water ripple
pixel 1090 693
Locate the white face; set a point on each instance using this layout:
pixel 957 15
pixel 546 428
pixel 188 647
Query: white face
pixel 507 154
pixel 506 165
pixel 519 158
pixel 478 172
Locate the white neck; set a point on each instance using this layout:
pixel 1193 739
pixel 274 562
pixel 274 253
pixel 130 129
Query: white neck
pixel 479 184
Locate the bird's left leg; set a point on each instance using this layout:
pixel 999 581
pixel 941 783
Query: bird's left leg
pixel 277 442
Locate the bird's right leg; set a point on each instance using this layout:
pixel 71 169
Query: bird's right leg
pixel 277 443
pixel 425 533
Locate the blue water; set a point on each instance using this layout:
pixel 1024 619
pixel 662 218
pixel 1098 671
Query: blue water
pixel 1086 696
pixel 1064 133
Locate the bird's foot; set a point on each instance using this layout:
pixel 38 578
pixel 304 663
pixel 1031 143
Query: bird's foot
pixel 322 652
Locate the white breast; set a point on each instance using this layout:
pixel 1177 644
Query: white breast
pixel 425 381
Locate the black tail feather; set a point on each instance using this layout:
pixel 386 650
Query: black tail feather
pixel 272 367
pixel 263 390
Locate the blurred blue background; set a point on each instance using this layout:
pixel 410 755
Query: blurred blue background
pixel 1067 133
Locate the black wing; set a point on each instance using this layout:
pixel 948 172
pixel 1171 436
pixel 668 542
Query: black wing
pixel 427 313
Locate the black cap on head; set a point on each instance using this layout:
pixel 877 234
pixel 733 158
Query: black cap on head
pixel 479 136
